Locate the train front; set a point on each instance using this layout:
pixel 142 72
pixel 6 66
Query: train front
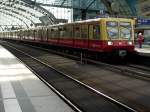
pixel 118 36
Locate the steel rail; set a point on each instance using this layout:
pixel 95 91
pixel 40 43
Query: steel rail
pixel 129 72
pixel 90 88
pixel 123 70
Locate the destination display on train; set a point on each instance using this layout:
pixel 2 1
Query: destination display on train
pixel 112 24
pixel 125 24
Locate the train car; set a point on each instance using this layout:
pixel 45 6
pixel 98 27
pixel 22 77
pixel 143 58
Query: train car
pixel 102 35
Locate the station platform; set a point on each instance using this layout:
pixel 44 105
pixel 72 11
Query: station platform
pixel 144 51
pixel 22 91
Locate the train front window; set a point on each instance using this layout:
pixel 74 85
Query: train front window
pixel 112 29
pixel 125 30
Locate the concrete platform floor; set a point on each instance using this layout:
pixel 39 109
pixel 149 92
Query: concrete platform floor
pixel 145 50
pixel 22 91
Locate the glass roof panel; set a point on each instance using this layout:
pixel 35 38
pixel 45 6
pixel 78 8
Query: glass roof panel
pixel 34 11
pixel 55 2
pixel 13 15
pixel 7 21
pixel 22 10
pixel 60 13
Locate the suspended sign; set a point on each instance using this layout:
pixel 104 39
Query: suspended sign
pixel 143 21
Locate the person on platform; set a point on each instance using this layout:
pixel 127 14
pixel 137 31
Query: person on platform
pixel 140 40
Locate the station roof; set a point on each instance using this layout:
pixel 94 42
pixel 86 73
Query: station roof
pixel 28 13
pixel 23 13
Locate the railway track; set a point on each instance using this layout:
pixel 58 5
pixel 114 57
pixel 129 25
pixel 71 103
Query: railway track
pixel 139 71
pixel 78 95
pixel 141 67
pixel 127 97
pixel 133 70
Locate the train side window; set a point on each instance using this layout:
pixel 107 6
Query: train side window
pixel 96 31
pixel 84 31
pixel 77 31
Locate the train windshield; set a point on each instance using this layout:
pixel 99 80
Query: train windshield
pixel 125 30
pixel 112 29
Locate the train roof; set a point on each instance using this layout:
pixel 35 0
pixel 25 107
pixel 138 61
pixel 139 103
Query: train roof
pixel 91 20
pixel 76 22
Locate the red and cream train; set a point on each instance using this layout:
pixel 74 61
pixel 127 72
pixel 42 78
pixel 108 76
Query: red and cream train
pixel 102 35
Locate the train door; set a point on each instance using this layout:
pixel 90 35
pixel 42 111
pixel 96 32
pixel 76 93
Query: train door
pixel 47 30
pixel 34 34
pixel 44 34
pixel 49 34
pixel 90 31
pixel 54 35
pixel 26 34
pixel 70 35
pixel 84 35
pixel 40 36
pixel 95 42
pixel 62 32
pixel 37 35
pixel 77 35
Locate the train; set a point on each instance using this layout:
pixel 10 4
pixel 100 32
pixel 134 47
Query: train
pixel 105 36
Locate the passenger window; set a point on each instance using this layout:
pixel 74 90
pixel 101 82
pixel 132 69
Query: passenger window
pixel 84 31
pixel 96 31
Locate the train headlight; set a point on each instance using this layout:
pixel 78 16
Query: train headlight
pixel 130 43
pixel 110 43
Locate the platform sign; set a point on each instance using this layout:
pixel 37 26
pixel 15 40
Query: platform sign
pixel 143 21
